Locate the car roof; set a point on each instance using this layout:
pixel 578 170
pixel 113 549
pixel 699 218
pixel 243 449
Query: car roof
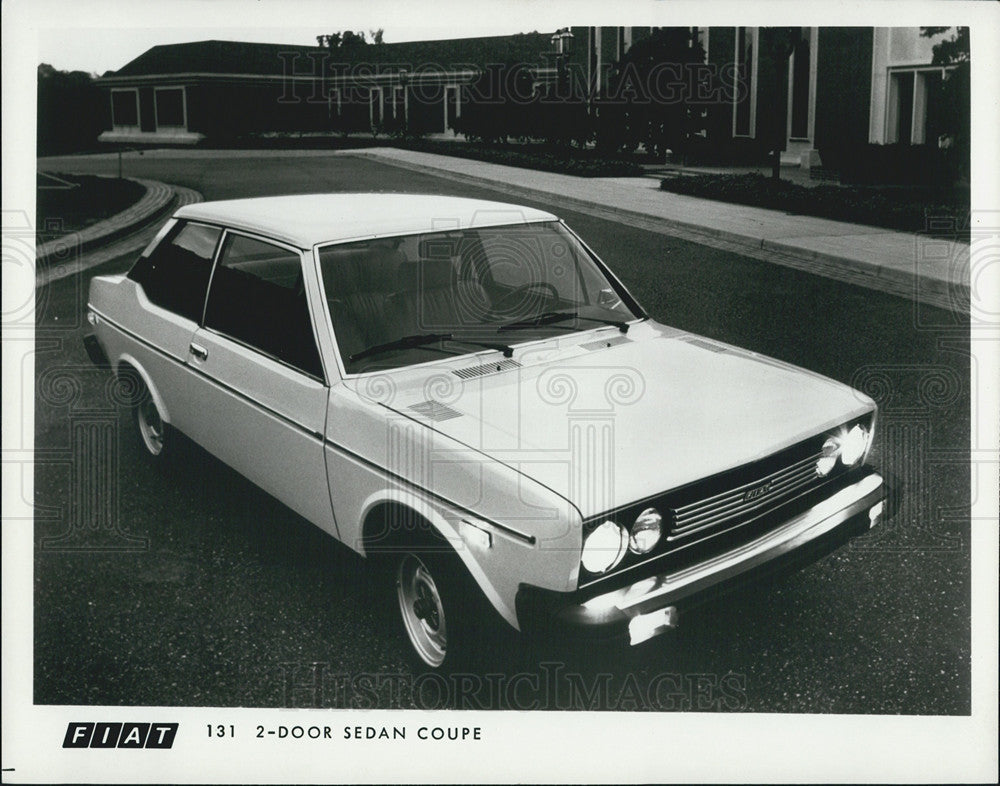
pixel 305 220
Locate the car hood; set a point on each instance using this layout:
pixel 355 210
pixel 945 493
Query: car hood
pixel 605 419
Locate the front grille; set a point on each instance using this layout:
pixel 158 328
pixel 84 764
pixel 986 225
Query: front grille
pixel 719 510
pixel 722 511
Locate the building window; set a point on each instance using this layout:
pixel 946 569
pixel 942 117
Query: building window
pixel 125 109
pixel 170 107
pixel 745 97
pixel 375 107
pixel 914 106
pixel 701 37
pixel 398 102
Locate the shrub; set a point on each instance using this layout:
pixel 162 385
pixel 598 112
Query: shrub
pixel 902 209
pixel 900 164
pixel 570 161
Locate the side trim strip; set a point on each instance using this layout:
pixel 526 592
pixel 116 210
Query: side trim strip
pixel 529 539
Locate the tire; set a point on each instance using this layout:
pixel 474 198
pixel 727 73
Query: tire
pixel 446 621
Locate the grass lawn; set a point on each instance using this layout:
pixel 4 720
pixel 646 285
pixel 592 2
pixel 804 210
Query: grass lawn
pixel 69 203
pixel 938 211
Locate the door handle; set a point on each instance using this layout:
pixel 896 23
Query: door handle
pixel 198 351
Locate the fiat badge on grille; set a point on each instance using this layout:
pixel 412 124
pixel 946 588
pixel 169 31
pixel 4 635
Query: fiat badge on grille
pixel 757 491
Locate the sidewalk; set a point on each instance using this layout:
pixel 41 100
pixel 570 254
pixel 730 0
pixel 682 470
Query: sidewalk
pixel 931 271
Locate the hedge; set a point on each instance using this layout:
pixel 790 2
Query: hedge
pixel 908 209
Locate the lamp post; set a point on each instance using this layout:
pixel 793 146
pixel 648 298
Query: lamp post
pixel 562 44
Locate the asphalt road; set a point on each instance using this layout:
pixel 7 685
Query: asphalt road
pixel 219 596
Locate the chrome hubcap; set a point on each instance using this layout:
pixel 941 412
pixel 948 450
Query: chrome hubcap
pixel 422 611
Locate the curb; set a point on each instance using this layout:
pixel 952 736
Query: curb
pixel 120 238
pixel 907 284
pixel 158 199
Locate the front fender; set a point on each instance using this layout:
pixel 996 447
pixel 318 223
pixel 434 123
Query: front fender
pixel 449 524
pixel 499 563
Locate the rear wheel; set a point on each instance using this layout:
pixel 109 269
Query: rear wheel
pixel 152 429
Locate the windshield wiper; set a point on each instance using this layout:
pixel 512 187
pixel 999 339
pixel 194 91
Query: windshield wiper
pixel 549 317
pixel 508 351
pixel 405 342
pixel 545 318
pixel 618 323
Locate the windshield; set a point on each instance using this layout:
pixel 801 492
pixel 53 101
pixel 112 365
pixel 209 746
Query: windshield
pixel 404 300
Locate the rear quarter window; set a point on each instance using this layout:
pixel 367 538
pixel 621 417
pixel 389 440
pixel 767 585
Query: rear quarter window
pixel 174 274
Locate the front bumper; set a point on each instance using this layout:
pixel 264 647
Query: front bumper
pixel 651 604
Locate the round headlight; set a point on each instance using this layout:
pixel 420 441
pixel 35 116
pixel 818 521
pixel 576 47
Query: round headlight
pixel 604 547
pixel 853 447
pixel 826 462
pixel 646 531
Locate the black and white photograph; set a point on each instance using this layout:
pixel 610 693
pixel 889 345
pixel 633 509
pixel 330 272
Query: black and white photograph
pixel 500 391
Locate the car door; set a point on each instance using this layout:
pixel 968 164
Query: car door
pixel 262 388
pixel 171 280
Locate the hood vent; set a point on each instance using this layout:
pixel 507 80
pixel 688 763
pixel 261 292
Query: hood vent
pixel 435 410
pixel 709 345
pixel 486 369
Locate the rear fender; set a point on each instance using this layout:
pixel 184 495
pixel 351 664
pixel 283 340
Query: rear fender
pixel 127 360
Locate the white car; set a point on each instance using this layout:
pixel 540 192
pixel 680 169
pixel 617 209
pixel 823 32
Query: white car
pixel 464 388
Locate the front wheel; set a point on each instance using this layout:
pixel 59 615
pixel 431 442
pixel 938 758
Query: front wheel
pixel 448 622
pixel 425 618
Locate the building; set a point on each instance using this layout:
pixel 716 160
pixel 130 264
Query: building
pixel 800 90
pixel 838 85
pixel 185 93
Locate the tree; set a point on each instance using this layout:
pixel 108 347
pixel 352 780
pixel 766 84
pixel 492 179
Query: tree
pixel 348 41
pixel 72 111
pixel 955 93
pixel 653 83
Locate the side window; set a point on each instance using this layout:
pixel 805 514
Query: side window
pixel 174 275
pixel 258 298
